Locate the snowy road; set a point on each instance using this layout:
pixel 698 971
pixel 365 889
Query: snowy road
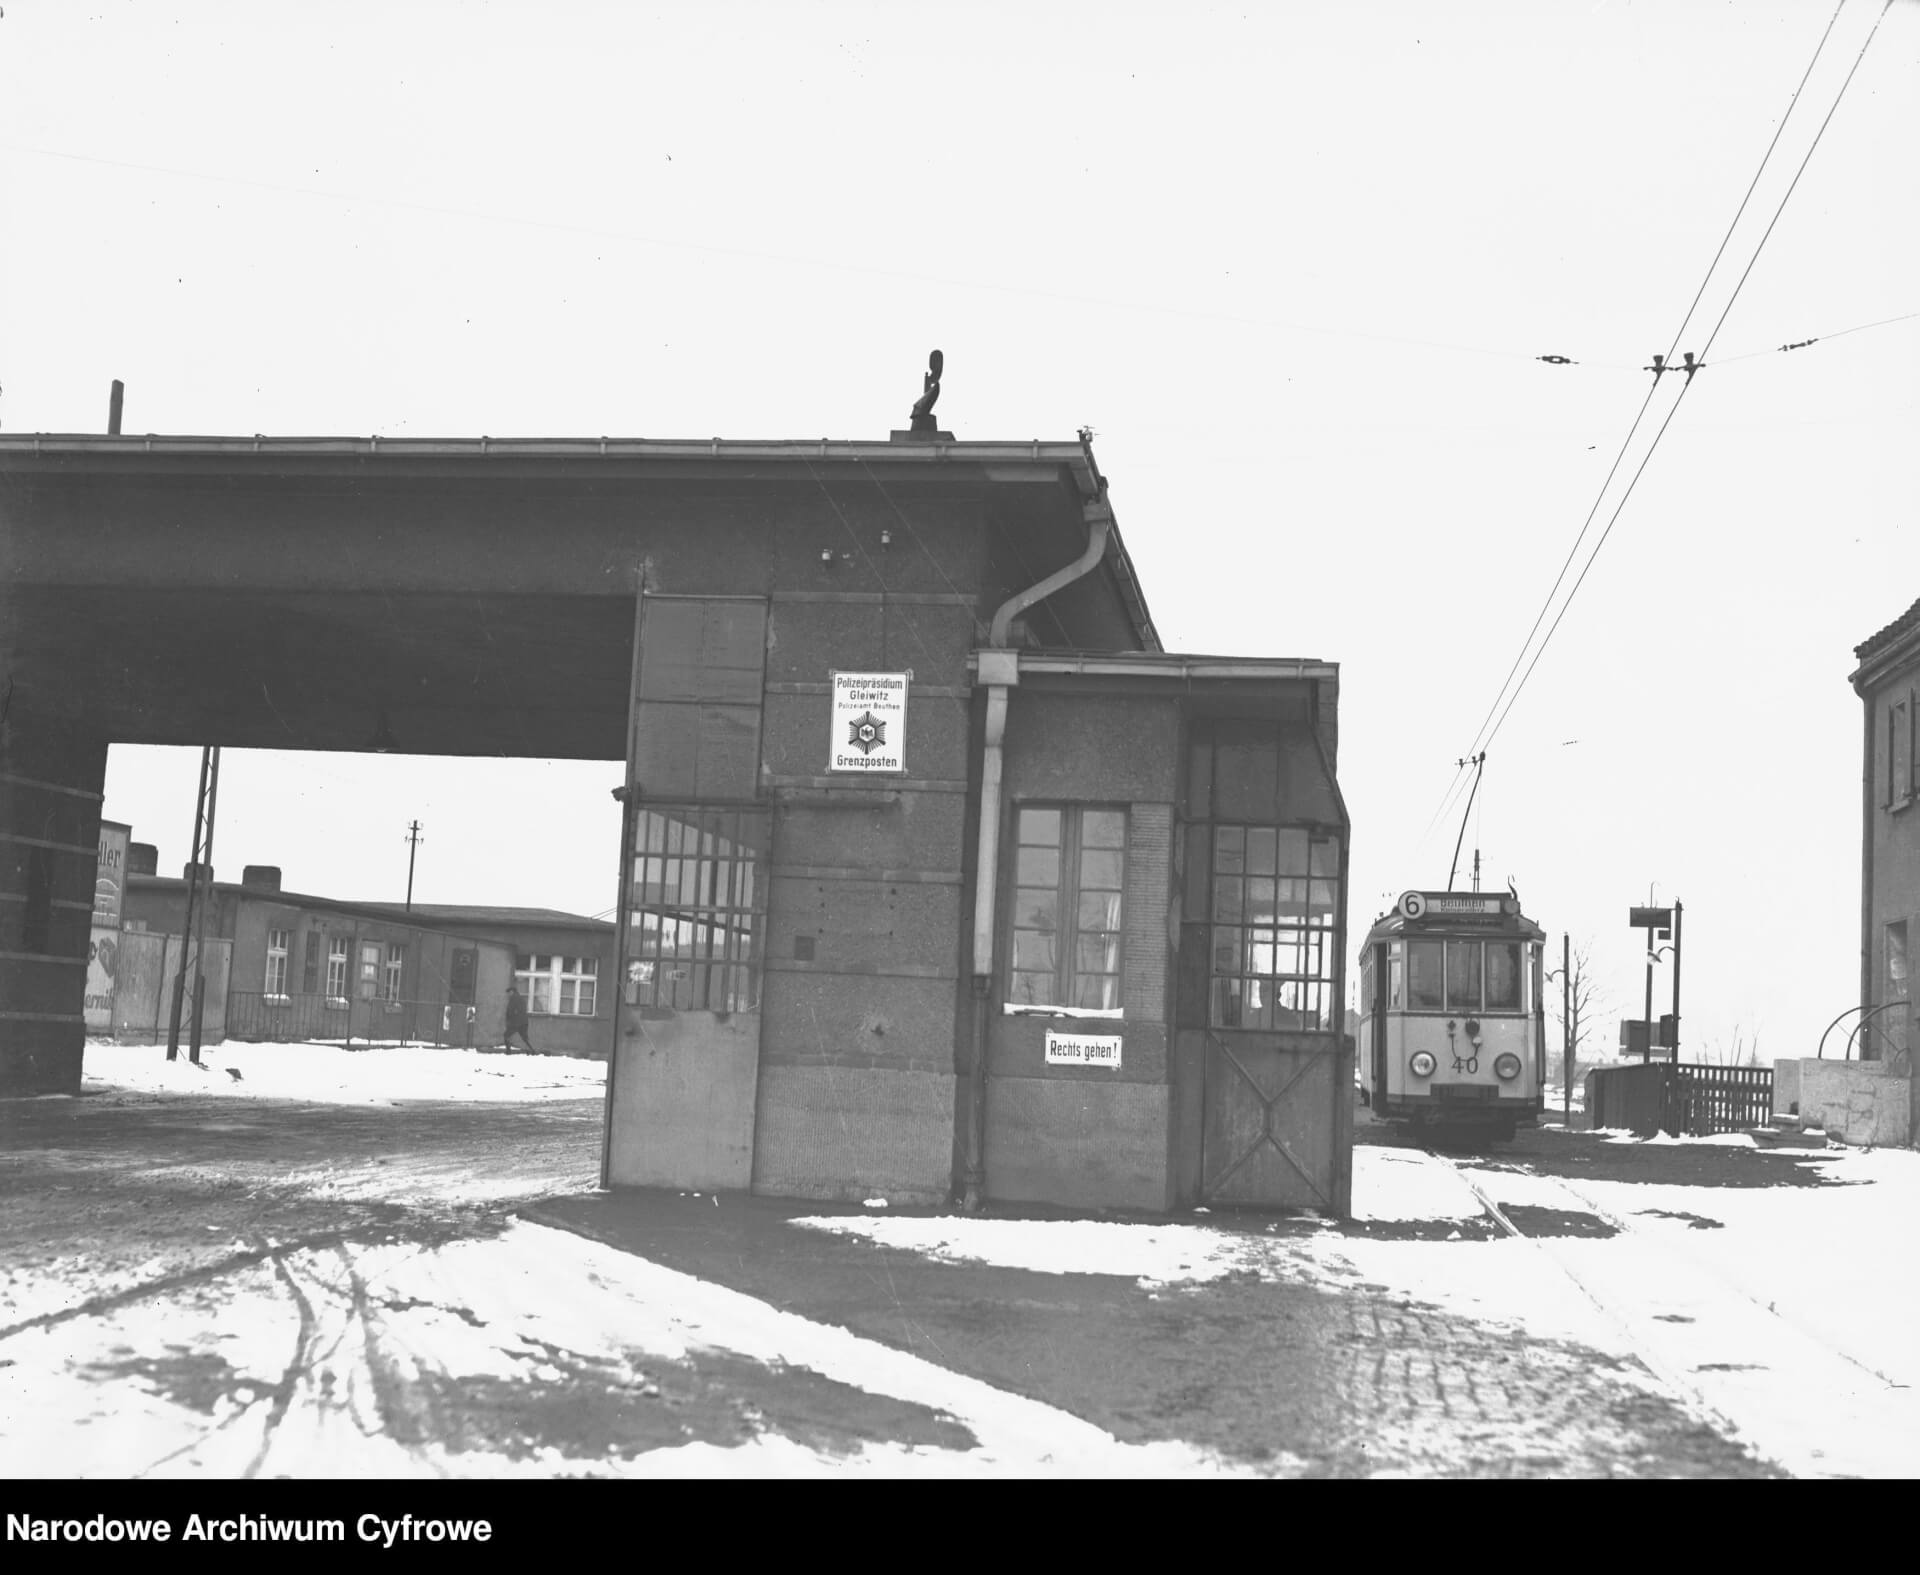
pixel 316 1270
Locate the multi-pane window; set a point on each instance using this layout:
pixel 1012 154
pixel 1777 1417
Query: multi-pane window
pixel 1068 876
pixel 277 944
pixel 557 986
pixel 338 954
pixel 1275 908
pixel 396 960
pixel 697 910
pixel 1465 976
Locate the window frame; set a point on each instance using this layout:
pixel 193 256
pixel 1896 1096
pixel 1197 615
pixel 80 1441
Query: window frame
pixel 546 986
pixel 393 973
pixel 275 982
pixel 1068 889
pixel 339 966
pixel 1301 868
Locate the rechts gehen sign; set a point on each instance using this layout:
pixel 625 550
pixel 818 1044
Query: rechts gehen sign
pixel 869 723
pixel 103 950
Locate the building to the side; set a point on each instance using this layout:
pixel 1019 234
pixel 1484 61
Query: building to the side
pixel 1887 681
pixel 283 966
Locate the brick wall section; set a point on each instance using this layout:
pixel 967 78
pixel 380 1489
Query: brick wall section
pixel 1143 979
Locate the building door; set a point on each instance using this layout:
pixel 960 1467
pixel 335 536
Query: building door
pixel 1260 1008
pixel 682 1087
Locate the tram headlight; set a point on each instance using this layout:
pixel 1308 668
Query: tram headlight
pixel 1506 1067
pixel 1421 1064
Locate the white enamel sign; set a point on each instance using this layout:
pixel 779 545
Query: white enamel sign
pixel 869 722
pixel 1083 1049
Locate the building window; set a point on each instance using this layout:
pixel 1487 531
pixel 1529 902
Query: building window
pixel 1899 753
pixel 1275 904
pixel 338 953
pixel 278 942
pixel 1898 998
pixel 697 910
pixel 557 986
pixel 396 960
pixel 1068 875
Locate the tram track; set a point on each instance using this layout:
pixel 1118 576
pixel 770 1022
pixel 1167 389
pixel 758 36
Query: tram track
pixel 1665 1372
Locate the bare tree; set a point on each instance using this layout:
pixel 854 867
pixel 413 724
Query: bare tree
pixel 1739 1048
pixel 1579 1009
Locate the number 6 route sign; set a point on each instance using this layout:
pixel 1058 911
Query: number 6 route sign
pixel 1413 904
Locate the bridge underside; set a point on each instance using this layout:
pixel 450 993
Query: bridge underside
pixel 542 676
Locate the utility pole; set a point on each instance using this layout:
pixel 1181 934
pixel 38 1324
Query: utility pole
pixel 1566 1031
pixel 1677 910
pixel 414 839
pixel 200 935
pixel 186 926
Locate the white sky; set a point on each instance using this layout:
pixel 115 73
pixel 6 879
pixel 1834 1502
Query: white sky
pixel 1293 264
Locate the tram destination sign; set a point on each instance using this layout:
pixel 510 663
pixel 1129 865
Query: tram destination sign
pixel 869 723
pixel 1453 905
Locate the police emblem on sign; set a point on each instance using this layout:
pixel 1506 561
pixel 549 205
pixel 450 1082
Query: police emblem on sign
pixel 869 722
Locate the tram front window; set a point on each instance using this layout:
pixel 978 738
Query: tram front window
pixel 1463 976
pixel 1503 976
pixel 1425 976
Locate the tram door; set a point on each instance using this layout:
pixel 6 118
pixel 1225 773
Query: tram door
pixel 1261 976
pixel 1378 1011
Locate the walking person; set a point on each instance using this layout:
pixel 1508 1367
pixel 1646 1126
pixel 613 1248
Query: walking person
pixel 517 1020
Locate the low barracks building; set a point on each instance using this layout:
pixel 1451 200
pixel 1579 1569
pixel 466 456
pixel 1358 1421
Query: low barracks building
pixel 940 877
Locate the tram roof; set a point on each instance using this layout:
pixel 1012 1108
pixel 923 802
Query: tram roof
pixel 1457 913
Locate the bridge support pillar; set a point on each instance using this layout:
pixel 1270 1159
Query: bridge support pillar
pixel 52 777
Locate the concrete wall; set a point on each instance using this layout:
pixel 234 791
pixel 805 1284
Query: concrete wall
pixel 51 779
pixel 1863 1103
pixel 867 900
pixel 1083 1136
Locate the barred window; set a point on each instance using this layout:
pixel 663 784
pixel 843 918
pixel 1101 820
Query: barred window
pixel 1275 906
pixel 697 909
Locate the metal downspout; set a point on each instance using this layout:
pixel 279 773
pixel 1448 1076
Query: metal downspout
pixel 999 670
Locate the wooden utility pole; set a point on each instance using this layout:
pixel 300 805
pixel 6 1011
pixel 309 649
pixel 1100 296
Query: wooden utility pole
pixel 186 925
pixel 1566 1031
pixel 200 935
pixel 414 839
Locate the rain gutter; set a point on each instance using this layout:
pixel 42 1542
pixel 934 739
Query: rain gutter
pixel 998 669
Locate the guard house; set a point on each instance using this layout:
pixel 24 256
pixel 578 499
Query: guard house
pixel 927 900
pixel 940 877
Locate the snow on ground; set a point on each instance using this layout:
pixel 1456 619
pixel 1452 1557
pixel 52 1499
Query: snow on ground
pixel 1775 1310
pixel 327 1074
pixel 286 1369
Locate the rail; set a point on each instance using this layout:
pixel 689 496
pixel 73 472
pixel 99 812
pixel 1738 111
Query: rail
pixel 259 1018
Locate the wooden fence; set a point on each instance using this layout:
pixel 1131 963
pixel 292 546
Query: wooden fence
pixel 1689 1099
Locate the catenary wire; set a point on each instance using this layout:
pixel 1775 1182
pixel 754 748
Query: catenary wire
pixel 1759 246
pixel 1640 416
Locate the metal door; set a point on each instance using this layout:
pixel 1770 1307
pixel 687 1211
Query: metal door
pixel 1262 981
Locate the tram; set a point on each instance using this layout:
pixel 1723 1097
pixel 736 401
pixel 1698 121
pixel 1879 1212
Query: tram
pixel 1453 1037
